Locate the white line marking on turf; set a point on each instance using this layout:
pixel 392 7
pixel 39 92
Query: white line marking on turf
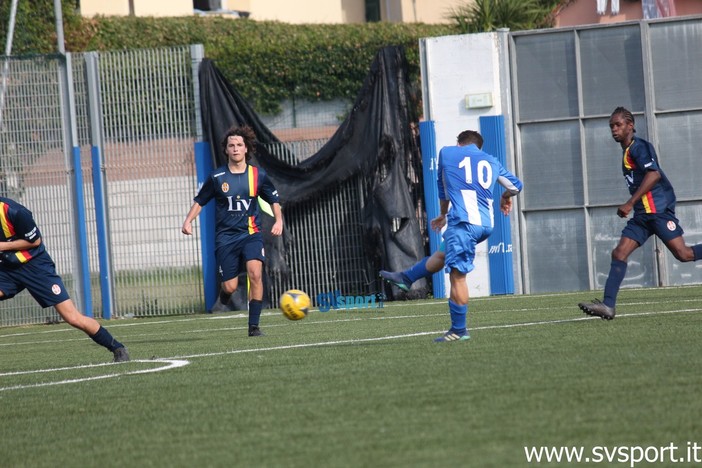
pixel 180 361
pixel 169 364
pixel 411 335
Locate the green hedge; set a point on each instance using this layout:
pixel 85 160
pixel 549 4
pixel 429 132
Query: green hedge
pixel 267 62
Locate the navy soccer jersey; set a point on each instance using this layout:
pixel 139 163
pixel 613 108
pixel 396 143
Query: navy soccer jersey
pixel 639 158
pixel 467 178
pixel 31 269
pixel 236 205
pixel 17 222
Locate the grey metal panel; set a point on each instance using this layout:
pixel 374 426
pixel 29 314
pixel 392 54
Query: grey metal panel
pixel 676 56
pixel 690 215
pixel 551 164
pixel 612 70
pixel 557 253
pixel 547 85
pixel 679 154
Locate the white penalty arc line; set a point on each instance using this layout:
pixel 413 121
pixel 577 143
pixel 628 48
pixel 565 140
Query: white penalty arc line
pixel 169 364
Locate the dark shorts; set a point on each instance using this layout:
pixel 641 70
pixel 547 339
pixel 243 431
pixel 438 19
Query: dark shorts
pixel 641 227
pixel 39 277
pixel 460 241
pixel 231 258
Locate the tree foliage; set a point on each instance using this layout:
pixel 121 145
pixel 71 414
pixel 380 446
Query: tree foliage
pixel 490 15
pixel 268 62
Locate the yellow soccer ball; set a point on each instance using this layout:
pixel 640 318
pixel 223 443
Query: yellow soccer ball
pixel 295 304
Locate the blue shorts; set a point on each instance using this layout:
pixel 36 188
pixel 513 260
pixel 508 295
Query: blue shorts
pixel 461 240
pixel 231 258
pixel 39 277
pixel 641 227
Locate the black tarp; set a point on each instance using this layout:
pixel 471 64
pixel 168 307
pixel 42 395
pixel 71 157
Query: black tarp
pixel 375 140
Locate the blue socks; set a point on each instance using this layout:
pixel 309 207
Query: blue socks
pixel 255 307
pixel 104 338
pixel 417 271
pixel 617 271
pixel 698 251
pixel 458 317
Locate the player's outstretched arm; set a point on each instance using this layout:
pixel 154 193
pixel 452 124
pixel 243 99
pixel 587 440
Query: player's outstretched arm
pixel 187 228
pixel 277 228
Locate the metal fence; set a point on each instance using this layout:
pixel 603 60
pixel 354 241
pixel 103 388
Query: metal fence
pixel 100 146
pixel 127 119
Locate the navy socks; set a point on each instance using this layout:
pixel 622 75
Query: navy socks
pixel 255 307
pixel 697 249
pixel 104 338
pixel 617 271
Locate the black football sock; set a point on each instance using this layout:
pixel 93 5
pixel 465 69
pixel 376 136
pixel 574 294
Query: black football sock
pixel 255 307
pixel 617 271
pixel 104 338
pixel 224 297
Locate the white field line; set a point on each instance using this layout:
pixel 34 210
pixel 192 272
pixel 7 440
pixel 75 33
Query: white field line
pixel 180 361
pixel 411 335
pixel 366 316
pixel 169 364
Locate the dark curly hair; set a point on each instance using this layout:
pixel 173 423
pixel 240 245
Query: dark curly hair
pixel 247 134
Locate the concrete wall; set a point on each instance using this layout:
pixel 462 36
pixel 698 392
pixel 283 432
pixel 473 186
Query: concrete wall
pixel 455 67
pixel 90 8
pixel 310 11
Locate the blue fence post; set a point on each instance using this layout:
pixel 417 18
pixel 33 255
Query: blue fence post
pixel 204 166
pixel 427 136
pixel 500 242
pixel 81 232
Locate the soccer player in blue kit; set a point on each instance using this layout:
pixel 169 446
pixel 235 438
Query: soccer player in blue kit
pixel 26 264
pixel 653 203
pixel 466 179
pixel 238 240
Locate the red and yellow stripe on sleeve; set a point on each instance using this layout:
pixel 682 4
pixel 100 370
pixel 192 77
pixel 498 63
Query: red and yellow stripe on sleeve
pixel 8 229
pixel 253 191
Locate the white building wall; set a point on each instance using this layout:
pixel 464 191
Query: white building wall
pixel 454 67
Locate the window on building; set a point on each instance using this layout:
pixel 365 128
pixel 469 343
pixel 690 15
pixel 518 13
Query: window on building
pixel 207 5
pixel 372 11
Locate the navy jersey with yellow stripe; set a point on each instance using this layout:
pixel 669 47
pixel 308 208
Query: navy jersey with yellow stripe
pixel 639 158
pixel 236 205
pixel 17 222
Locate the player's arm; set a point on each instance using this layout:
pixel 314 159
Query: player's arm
pixel 277 228
pixel 19 244
pixel 27 231
pixel 187 228
pixel 512 186
pixel 649 181
pixel 440 221
pixel 206 193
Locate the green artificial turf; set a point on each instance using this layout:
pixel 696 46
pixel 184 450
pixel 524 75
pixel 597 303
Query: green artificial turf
pixel 361 388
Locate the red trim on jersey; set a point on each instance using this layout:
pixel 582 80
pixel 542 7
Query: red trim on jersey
pixel 8 229
pixel 253 181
